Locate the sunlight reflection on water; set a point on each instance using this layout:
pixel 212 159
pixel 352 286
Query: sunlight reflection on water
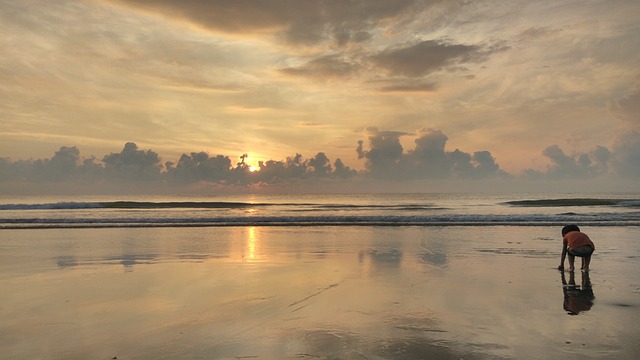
pixel 329 292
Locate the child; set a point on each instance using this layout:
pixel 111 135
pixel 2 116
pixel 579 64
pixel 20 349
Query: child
pixel 576 243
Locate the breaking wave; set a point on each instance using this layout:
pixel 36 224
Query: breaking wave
pixel 328 211
pixel 575 202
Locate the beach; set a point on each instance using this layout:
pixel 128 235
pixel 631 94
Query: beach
pixel 296 292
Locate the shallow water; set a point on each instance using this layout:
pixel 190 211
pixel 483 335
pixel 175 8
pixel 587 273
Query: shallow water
pixel 30 212
pixel 315 292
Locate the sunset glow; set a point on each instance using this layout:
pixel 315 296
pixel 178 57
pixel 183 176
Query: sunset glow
pixel 529 91
pixel 321 179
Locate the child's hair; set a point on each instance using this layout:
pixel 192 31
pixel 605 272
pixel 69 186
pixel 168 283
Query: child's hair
pixel 569 228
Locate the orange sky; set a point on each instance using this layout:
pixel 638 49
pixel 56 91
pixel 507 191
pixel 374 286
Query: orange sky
pixel 277 78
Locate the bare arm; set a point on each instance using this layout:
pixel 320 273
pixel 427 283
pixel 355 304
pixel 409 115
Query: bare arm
pixel 564 255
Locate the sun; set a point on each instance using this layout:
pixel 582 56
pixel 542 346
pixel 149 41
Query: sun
pixel 249 162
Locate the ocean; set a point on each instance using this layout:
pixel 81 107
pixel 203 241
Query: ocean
pixel 377 276
pixel 320 210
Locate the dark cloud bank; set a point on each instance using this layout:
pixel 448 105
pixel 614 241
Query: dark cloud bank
pixel 333 38
pixel 297 23
pixel 386 163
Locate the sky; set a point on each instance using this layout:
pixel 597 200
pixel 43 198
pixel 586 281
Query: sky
pixel 406 94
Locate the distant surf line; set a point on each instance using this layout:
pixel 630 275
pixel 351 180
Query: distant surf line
pixel 311 224
pixel 204 205
pixel 124 204
pixel 575 202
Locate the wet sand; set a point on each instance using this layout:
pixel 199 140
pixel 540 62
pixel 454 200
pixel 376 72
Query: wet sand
pixel 315 292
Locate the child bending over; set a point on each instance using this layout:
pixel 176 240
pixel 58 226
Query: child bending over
pixel 576 243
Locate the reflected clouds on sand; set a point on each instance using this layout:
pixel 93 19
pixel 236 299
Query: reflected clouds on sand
pixel 291 292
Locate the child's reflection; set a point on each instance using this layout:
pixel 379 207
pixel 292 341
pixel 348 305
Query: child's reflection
pixel 577 298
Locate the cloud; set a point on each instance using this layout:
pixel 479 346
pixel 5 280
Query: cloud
pixel 628 107
pixel 297 169
pixel 136 166
pixel 430 156
pixel 408 86
pixel 63 165
pixel 626 151
pixel 132 164
pixel 426 57
pixel 341 171
pixel 343 36
pixel 293 168
pixel 385 158
pixel 385 151
pixel 295 22
pixel 622 162
pixel 320 165
pixel 325 67
pixel 199 167
pixel 576 166
pixel 66 165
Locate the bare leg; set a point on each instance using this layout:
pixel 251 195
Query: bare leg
pixel 571 262
pixel 585 264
